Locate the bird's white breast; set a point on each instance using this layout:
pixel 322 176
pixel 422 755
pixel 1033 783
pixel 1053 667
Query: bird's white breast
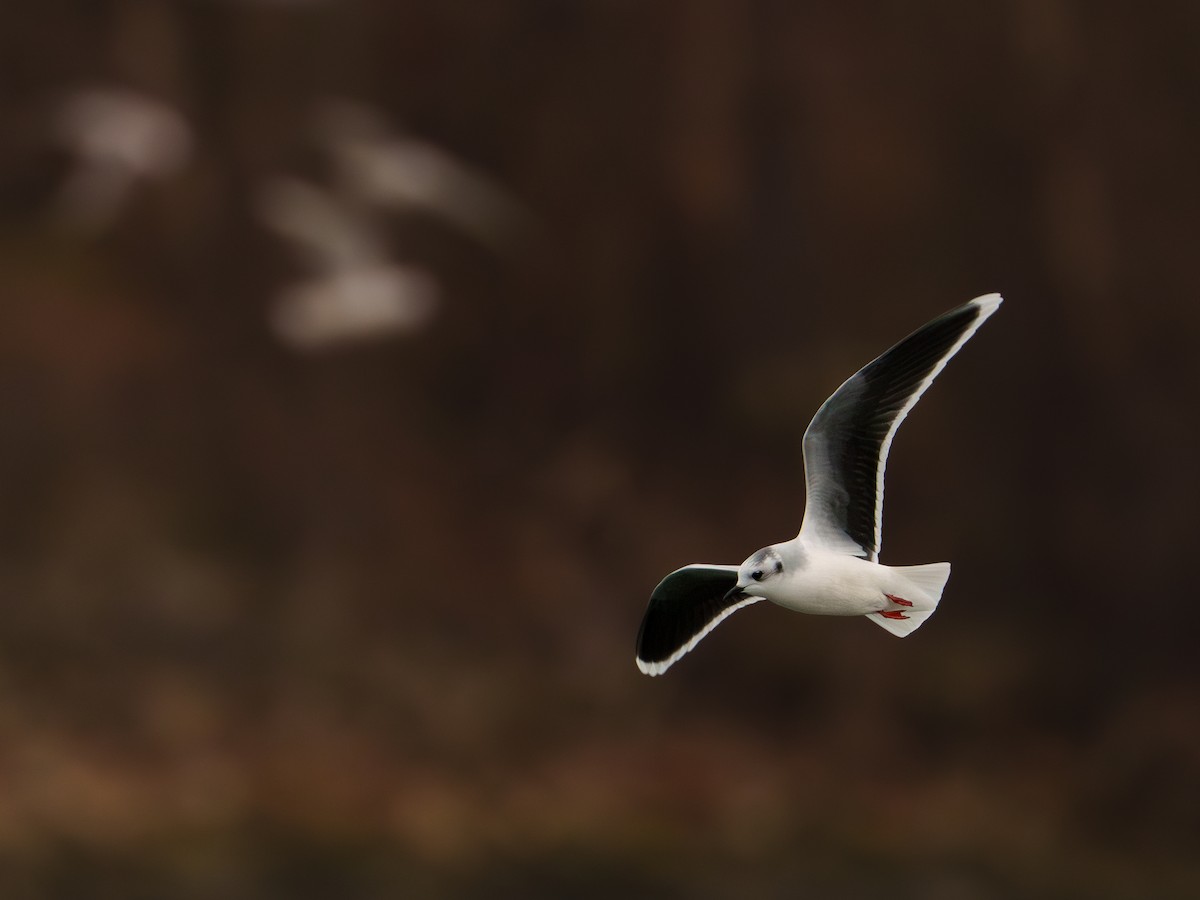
pixel 832 584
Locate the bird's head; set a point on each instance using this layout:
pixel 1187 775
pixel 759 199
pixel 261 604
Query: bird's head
pixel 756 574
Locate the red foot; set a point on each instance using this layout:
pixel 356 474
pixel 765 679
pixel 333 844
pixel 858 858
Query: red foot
pixel 898 600
pixel 893 614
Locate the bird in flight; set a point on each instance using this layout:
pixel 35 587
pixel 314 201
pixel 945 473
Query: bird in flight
pixel 832 566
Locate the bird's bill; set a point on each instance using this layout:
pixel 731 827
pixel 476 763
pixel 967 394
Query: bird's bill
pixel 735 594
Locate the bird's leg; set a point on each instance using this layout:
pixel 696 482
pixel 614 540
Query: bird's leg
pixel 895 613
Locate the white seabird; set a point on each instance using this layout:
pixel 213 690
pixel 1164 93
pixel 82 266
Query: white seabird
pixel 832 566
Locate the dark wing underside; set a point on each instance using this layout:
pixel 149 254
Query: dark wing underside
pixel 847 442
pixel 686 605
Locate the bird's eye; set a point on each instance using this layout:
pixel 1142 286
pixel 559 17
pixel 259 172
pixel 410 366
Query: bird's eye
pixel 757 574
pixel 778 567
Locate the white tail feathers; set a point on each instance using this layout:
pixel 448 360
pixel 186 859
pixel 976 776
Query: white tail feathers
pixel 921 586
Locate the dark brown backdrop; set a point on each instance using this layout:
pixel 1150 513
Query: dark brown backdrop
pixel 359 623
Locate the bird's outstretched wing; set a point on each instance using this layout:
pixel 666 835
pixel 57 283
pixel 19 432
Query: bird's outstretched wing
pixel 846 444
pixel 686 605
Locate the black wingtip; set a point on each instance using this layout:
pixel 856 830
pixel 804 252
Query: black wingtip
pixel 685 606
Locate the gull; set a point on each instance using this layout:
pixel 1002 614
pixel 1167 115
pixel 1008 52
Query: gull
pixel 118 137
pixel 832 566
pixel 403 173
pixel 356 292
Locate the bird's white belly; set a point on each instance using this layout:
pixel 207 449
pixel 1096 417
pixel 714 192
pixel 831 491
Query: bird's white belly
pixel 834 585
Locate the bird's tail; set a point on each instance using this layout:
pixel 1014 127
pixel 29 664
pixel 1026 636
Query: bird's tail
pixel 917 592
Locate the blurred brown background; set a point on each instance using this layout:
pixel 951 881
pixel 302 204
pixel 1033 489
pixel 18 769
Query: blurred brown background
pixel 352 616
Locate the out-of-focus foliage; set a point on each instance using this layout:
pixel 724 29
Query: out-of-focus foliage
pixel 297 616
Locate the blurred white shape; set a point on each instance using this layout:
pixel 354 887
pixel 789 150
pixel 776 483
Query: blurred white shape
pixel 328 231
pixel 354 305
pixel 405 173
pixel 356 293
pixel 117 137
